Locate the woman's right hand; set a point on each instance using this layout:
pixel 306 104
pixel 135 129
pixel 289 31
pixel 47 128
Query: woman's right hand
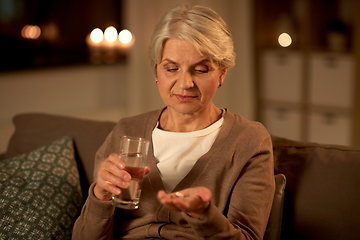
pixel 111 177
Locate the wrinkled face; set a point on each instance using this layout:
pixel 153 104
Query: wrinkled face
pixel 187 81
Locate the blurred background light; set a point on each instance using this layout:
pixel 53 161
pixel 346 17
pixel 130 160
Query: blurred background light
pixel 284 40
pixel 110 34
pixel 96 35
pixel 125 36
pixel 30 32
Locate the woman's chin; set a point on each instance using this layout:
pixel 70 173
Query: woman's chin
pixel 185 108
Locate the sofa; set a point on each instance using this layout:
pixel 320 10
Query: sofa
pixel 48 167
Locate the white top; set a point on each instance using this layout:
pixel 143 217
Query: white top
pixel 177 152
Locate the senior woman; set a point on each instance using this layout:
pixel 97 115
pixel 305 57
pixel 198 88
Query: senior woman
pixel 210 172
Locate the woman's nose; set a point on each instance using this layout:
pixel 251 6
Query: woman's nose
pixel 185 80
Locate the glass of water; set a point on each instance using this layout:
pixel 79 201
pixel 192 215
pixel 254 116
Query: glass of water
pixel 133 151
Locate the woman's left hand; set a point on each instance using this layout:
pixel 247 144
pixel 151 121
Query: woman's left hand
pixel 193 201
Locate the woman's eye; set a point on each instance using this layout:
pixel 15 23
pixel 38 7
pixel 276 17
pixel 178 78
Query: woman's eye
pixel 172 69
pixel 201 69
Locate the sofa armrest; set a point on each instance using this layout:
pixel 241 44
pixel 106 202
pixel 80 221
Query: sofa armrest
pixel 273 229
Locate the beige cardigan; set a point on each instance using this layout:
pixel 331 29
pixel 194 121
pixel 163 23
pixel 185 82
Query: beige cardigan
pixel 238 169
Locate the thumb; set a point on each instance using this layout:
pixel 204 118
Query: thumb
pixel 203 193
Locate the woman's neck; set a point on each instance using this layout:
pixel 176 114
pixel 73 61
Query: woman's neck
pixel 178 122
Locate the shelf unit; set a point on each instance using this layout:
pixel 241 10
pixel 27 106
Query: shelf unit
pixel 307 91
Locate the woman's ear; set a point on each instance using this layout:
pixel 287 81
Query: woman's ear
pixel 155 71
pixel 222 76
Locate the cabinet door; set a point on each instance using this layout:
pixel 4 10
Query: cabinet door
pixel 281 76
pixel 330 128
pixel 282 122
pixel 331 80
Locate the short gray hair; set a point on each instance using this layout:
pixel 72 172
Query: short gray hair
pixel 201 26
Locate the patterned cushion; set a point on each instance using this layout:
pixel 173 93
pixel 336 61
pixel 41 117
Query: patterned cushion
pixel 40 195
pixel 34 130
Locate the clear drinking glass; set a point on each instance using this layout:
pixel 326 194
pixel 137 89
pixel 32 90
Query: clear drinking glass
pixel 133 151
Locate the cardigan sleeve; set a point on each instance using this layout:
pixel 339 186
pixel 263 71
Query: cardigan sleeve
pixel 96 219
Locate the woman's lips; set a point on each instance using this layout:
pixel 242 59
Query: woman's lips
pixel 184 98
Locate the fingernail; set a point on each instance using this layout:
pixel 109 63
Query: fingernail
pixel 125 184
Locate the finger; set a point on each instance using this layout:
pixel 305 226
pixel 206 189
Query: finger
pixel 170 205
pixel 164 198
pixel 186 204
pixel 172 201
pixel 111 188
pixel 115 159
pixel 161 194
pixel 146 170
pixel 101 193
pixel 111 176
pixel 116 171
pixel 104 190
pixel 203 193
pixel 191 199
pixel 121 179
